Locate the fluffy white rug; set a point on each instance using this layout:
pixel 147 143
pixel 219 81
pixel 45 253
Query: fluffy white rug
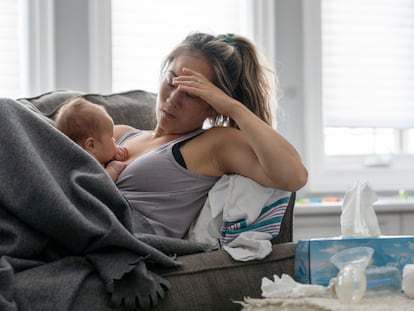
pixel 383 303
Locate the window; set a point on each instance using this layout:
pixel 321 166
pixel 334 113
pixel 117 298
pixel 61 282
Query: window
pixel 141 38
pixel 359 90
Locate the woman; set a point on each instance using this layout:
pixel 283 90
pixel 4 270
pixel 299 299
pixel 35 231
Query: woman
pixel 172 168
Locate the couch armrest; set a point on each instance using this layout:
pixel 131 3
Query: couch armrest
pixel 286 228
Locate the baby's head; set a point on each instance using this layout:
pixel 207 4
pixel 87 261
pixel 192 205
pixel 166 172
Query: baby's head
pixel 88 125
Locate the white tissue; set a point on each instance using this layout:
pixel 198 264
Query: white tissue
pixel 286 287
pixel 250 245
pixel 358 216
pixel 408 280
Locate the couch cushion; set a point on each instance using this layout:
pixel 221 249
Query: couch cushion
pixel 134 108
pixel 205 282
pixel 213 281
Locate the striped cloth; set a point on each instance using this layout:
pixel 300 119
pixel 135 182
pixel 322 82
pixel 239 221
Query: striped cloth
pixel 268 221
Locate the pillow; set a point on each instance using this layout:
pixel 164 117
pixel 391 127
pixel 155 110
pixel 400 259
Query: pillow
pixel 134 108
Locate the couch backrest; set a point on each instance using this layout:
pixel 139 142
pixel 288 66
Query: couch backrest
pixel 134 108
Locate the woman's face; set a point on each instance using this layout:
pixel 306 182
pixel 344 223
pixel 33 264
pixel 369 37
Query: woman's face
pixel 177 111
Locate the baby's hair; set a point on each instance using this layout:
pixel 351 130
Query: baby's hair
pixel 75 119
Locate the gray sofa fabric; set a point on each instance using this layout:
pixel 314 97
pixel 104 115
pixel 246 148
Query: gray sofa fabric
pixel 134 108
pixel 213 281
pixel 204 281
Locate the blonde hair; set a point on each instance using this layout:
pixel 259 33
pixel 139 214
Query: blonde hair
pixel 77 119
pixel 238 71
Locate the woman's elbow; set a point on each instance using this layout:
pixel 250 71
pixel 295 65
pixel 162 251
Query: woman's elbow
pixel 298 180
pixel 302 178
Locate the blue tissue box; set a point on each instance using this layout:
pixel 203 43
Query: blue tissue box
pixel 312 260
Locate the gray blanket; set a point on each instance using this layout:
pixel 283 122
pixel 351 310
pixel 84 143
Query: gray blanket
pixel 66 240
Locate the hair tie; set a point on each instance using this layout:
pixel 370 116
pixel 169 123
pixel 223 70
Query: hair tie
pixel 227 38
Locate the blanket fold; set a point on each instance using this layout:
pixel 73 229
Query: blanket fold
pixel 57 202
pixel 6 278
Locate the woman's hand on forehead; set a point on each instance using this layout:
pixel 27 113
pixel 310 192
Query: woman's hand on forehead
pixel 197 85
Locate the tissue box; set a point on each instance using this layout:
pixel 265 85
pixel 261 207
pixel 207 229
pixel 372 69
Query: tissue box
pixel 312 260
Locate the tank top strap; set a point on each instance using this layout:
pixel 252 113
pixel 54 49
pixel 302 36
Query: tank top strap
pixel 127 135
pixel 188 136
pixel 177 144
pixel 135 132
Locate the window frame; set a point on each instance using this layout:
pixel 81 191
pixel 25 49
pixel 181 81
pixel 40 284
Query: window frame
pixel 40 52
pixel 337 173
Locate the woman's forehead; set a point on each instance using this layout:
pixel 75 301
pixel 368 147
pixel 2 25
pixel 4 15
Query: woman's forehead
pixel 195 62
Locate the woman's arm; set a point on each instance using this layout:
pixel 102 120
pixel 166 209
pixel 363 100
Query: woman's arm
pixel 261 153
pixel 256 150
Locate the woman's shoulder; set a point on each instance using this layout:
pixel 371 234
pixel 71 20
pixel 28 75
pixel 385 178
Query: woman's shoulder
pixel 219 136
pixel 222 132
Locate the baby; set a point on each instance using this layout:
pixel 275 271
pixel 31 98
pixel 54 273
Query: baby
pixel 92 128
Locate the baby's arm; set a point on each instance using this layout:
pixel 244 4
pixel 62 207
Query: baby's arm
pixel 114 168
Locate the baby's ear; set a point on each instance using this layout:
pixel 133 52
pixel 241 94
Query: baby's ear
pixel 89 145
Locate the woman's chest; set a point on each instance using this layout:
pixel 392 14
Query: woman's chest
pixel 153 171
pixel 158 171
pixel 142 144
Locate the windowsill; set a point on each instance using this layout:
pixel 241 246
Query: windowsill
pixel 383 205
pixel 315 220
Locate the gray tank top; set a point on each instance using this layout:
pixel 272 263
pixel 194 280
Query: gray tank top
pixel 165 192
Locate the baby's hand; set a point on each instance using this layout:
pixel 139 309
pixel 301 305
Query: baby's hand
pixel 121 153
pixel 114 168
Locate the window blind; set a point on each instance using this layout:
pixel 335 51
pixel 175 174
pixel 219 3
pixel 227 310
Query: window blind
pixel 144 31
pixel 10 58
pixel 368 63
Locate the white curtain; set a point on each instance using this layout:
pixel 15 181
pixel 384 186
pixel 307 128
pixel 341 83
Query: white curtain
pixel 10 48
pixel 368 63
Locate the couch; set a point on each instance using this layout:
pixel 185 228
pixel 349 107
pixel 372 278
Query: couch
pixel 204 281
